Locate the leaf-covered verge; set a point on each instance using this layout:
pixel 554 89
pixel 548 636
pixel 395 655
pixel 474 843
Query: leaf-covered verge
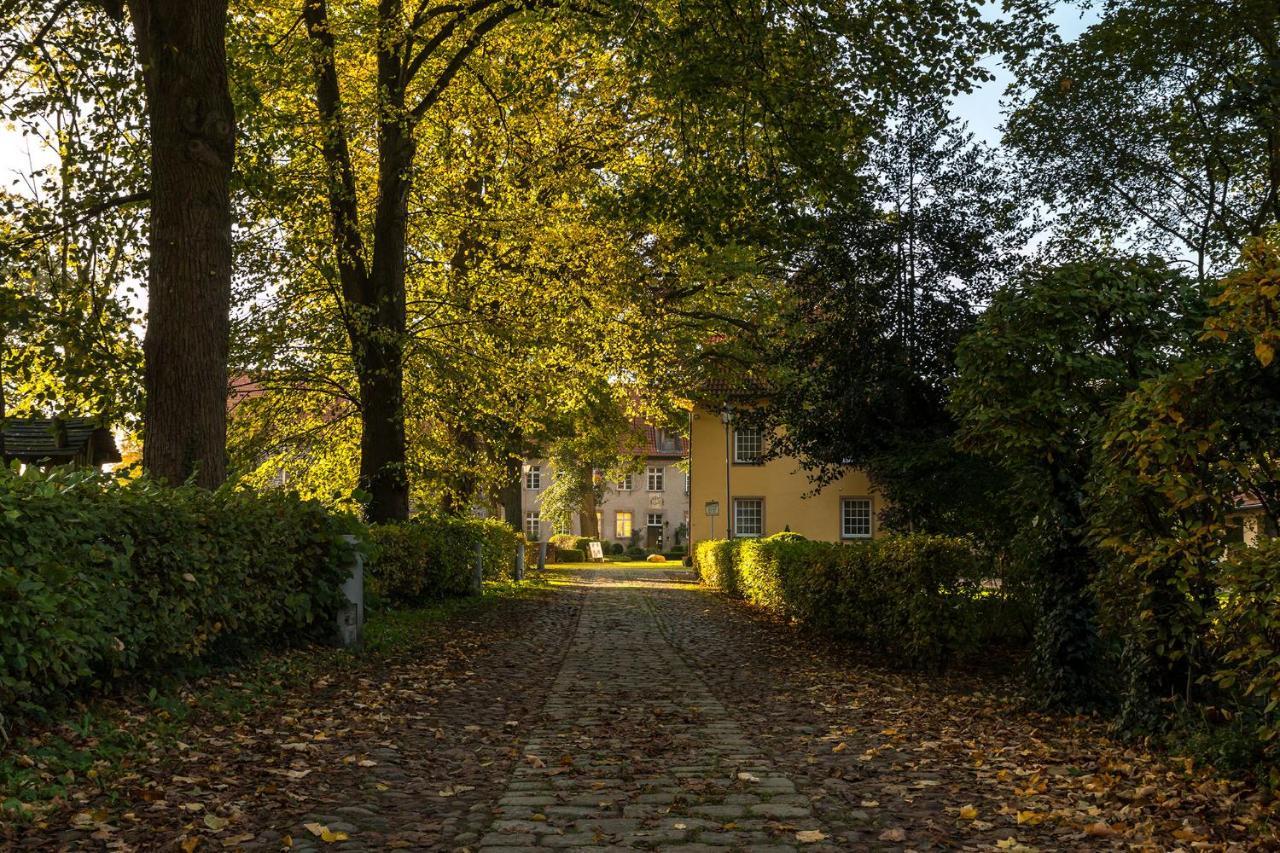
pixel 104 580
pixel 106 752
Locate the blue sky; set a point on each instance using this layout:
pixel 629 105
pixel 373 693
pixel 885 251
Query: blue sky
pixel 981 109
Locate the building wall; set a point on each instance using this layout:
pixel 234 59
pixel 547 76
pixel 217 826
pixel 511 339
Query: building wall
pixel 671 503
pixel 781 486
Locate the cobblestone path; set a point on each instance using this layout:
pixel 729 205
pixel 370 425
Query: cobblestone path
pixel 635 751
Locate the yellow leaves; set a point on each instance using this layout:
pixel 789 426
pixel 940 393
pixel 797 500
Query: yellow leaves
pixel 189 844
pixel 894 834
pixel 969 812
pixel 810 836
pixel 1014 845
pixel 453 790
pixel 840 747
pixel 1264 352
pixel 1031 818
pixel 325 834
pixel 1099 829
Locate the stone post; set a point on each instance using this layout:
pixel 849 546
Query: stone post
pixel 542 556
pixel 350 621
pixel 519 572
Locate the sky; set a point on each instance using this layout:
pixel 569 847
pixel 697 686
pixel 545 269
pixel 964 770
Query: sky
pixel 981 108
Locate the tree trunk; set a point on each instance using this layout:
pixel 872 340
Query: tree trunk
pixel 510 495
pixel 587 512
pixel 182 49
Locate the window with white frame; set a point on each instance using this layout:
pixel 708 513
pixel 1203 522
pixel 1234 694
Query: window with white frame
pixel 656 474
pixel 655 519
pixel 533 525
pixel 747 444
pixel 748 517
pixel 622 525
pixel 855 518
pixel 686 482
pixel 533 477
pixel 624 485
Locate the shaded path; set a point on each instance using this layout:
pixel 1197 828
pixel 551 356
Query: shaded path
pixel 636 751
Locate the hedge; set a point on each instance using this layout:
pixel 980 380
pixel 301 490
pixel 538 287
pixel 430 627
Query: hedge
pixel 1246 640
pixel 913 598
pixel 570 555
pixel 431 557
pixel 102 579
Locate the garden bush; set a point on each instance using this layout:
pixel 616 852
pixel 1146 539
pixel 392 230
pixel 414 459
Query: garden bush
pixel 570 555
pixel 910 597
pixel 616 548
pixel 581 542
pixel 433 556
pixel 103 579
pixel 1247 640
pixel 563 541
pixel 713 559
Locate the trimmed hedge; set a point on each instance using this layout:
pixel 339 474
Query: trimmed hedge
pixel 570 555
pixel 431 557
pixel 102 579
pixel 913 598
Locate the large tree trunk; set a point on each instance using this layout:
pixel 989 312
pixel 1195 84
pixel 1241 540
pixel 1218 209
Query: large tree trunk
pixel 587 511
pixel 181 46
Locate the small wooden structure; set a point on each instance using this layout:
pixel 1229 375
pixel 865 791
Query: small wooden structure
pixel 45 442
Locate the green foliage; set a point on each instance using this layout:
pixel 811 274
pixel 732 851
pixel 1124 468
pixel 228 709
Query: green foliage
pixel 1177 456
pixel 102 580
pixel 1037 379
pixel 913 598
pixel 561 541
pixel 1247 637
pixel 570 555
pixel 433 556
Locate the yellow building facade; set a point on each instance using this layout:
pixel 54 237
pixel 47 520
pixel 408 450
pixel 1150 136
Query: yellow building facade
pixel 733 493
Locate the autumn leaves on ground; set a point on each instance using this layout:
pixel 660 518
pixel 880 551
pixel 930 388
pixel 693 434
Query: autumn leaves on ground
pixel 439 735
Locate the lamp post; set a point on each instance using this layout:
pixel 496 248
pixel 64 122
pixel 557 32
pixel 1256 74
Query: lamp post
pixel 726 415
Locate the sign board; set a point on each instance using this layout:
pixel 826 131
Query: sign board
pixel 594 552
pixel 713 508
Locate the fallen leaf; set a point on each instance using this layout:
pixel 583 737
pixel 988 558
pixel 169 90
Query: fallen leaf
pixel 968 812
pixel 895 834
pixel 217 824
pixel 810 836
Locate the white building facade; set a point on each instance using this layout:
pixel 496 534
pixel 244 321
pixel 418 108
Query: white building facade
pixel 649 508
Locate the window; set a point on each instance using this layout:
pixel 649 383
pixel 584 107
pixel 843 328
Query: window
pixel 655 519
pixel 532 525
pixel 622 525
pixel 656 475
pixel 686 483
pixel 624 485
pixel 562 528
pixel 533 477
pixel 748 517
pixel 855 518
pixel 746 445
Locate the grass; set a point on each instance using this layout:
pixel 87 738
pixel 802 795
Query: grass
pixel 95 742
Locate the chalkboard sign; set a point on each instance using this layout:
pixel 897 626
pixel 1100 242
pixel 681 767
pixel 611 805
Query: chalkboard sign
pixel 595 552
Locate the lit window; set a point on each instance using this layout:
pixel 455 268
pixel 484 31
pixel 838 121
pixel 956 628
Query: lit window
pixel 533 477
pixel 622 525
pixel 532 525
pixel 624 485
pixel 855 518
pixel 748 517
pixel 656 476
pixel 746 444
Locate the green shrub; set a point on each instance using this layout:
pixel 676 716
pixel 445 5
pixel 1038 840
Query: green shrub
pixel 786 536
pixel 432 556
pixel 713 559
pixel 636 552
pixel 102 579
pixel 1247 640
pixel 561 541
pixel 570 555
pixel 678 549
pixel 910 597
pixel 581 543
pixel 615 548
